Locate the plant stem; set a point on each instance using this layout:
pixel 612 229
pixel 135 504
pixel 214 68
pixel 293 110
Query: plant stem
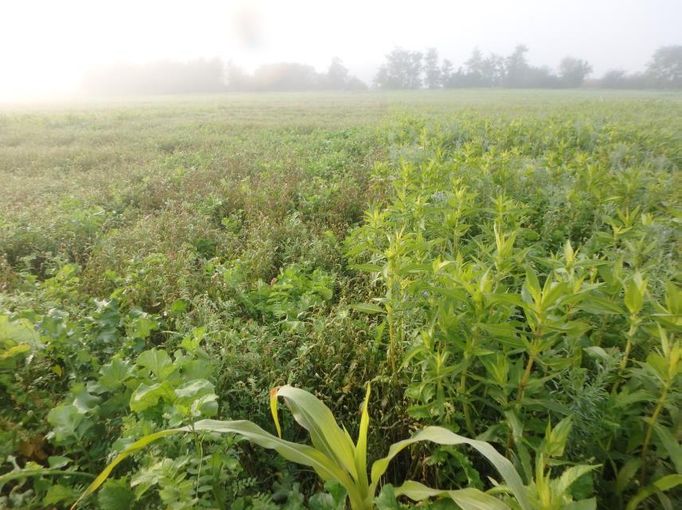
pixel 524 379
pixel 626 355
pixel 650 428
pixel 462 392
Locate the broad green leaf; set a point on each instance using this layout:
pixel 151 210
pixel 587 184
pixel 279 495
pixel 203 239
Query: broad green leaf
pixel 319 421
pixel 387 499
pixel 58 494
pixel 18 332
pixel 64 419
pixel 146 396
pixel 194 389
pixel 442 436
pixel 157 361
pixel 115 495
pixel 114 374
pixel 634 293
pixel 56 461
pixel 84 401
pixel 571 475
pixel 467 499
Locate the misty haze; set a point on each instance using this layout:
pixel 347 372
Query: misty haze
pixel 263 255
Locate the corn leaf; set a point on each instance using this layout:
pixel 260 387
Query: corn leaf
pixel 306 455
pixel 467 499
pixel 442 436
pixel 319 421
pixel 361 446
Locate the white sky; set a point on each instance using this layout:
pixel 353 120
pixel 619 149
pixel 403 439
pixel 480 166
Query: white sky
pixel 46 45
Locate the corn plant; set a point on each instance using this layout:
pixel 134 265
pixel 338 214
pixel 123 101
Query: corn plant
pixel 336 458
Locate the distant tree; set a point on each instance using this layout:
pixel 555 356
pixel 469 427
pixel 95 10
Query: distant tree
pixel 492 70
pixel 614 79
pixel 517 68
pixel 402 70
pixel 665 68
pixel 337 74
pixel 541 78
pixel 433 77
pixel 573 71
pixel 446 71
pixel 474 69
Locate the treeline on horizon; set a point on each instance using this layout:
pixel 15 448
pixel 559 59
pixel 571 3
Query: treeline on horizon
pixel 402 69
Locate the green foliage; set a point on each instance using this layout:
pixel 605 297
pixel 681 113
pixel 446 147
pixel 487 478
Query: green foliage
pixel 498 264
pixel 335 457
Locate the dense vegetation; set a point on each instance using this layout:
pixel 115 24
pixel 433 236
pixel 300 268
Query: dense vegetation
pixel 406 69
pixel 502 265
pixel 402 69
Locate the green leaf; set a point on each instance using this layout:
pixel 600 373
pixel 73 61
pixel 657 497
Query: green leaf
pixel 626 473
pixel 158 362
pixel 14 351
pixel 64 419
pixel 84 401
pixel 318 420
pixel 467 499
pixel 194 389
pixel 661 485
pixel 583 504
pixel 361 446
pixel 370 308
pixel 127 452
pixel 634 293
pixel 146 396
pixel 305 455
pixel 368 268
pixel 671 445
pixel 55 461
pixel 571 475
pixel 556 438
pixel 600 306
pixel 387 499
pixel 18 332
pixel 58 494
pixel 442 436
pixel 114 374
pixel 116 495
pixel 142 326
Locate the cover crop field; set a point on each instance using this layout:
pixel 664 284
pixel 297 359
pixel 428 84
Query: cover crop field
pixel 502 268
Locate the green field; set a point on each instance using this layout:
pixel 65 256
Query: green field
pixel 502 264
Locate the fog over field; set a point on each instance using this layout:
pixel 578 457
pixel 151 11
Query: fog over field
pixel 47 47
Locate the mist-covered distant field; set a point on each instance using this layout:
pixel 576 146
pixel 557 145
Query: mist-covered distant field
pixel 503 264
